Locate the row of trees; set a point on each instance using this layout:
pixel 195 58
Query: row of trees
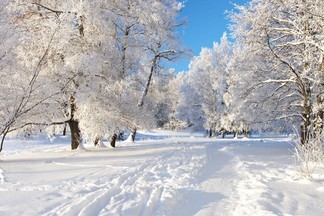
pixel 87 64
pixel 284 40
pixel 271 77
pixel 90 64
pixel 202 104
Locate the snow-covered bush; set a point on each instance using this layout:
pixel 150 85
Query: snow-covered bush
pixel 309 155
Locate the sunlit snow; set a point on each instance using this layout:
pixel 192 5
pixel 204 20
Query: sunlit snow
pixel 162 173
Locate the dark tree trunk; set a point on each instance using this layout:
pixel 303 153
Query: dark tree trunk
pixel 96 142
pixel 246 134
pixel 124 50
pixel 304 130
pixel 306 122
pixel 2 141
pixel 64 130
pixel 75 133
pixel 210 132
pixel 5 132
pixel 113 140
pixel 74 126
pixel 214 133
pixel 133 135
pixel 81 27
pixel 147 85
pixel 124 45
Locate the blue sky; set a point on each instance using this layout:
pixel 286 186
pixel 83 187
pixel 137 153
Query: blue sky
pixel 206 23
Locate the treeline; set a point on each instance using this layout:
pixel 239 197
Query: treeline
pixel 270 78
pixel 88 65
pixel 97 66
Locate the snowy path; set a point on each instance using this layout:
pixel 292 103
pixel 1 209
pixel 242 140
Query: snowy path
pixel 158 175
pixel 145 189
pixel 246 178
pixel 213 184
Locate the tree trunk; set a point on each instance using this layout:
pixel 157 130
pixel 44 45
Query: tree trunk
pixel 80 25
pixel 210 132
pixel 124 50
pixel 304 130
pixel 2 141
pixel 74 126
pixel 133 134
pixel 147 85
pixel 96 142
pixel 318 118
pixel 236 134
pixel 306 122
pixel 141 102
pixel 64 130
pixel 246 134
pixel 75 133
pixel 113 140
pixel 5 132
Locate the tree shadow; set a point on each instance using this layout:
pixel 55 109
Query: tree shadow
pixel 195 201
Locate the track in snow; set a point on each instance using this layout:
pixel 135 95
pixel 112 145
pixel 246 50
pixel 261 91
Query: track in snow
pixel 159 176
pixel 150 188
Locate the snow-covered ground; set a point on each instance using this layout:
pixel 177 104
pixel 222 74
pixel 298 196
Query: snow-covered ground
pixel 163 173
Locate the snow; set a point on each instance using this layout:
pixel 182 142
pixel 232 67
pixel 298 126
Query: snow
pixel 162 173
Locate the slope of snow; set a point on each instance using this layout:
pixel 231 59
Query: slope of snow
pixel 162 173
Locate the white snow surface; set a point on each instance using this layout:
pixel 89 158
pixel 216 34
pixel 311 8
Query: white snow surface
pixel 162 173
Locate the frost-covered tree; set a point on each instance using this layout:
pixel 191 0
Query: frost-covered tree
pixel 195 89
pixel 8 98
pixel 143 35
pixel 75 30
pixel 207 75
pixel 113 91
pixel 100 56
pixel 164 97
pixel 285 39
pixel 22 93
pixel 238 114
pixel 247 105
pixel 189 108
pixel 160 95
pixel 161 41
pixel 216 111
pixel 173 98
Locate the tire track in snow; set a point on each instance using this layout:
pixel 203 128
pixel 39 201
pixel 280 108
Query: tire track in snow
pixel 142 191
pixel 149 188
pixel 93 202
